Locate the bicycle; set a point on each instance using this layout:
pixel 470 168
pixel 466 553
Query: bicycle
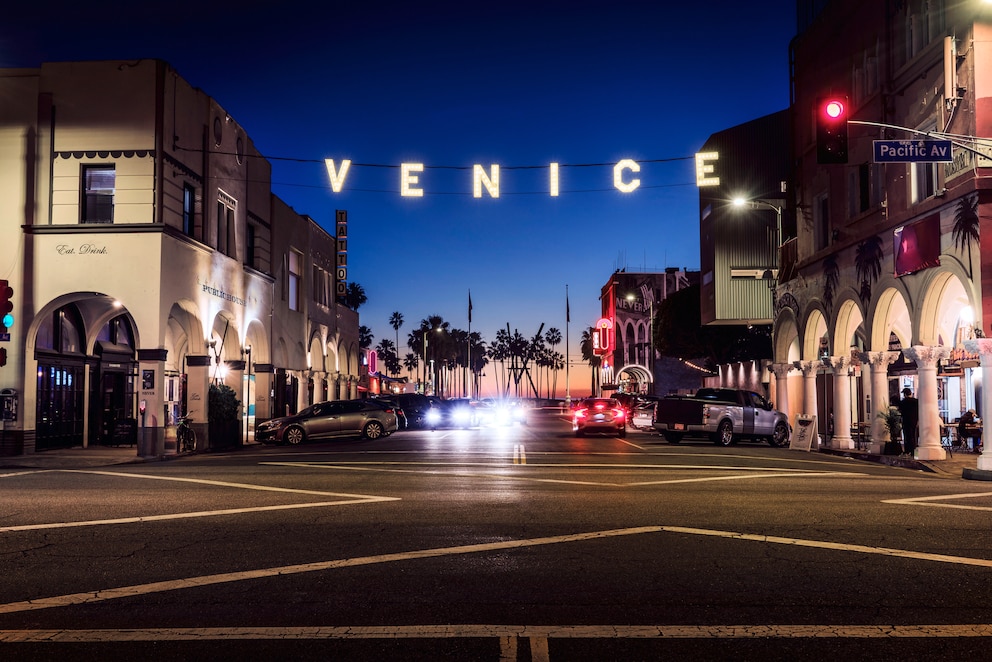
pixel 185 436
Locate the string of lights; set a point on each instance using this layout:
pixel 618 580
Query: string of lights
pixel 457 168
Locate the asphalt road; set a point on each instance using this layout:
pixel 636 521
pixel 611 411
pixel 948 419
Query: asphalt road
pixel 520 543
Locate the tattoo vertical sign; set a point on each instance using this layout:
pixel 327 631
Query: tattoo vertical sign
pixel 341 268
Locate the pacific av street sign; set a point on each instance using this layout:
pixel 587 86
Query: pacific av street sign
pixel 912 151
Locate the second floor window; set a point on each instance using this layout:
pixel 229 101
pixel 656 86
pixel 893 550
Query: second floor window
pixel 294 280
pixel 226 226
pixel 98 194
pixel 189 210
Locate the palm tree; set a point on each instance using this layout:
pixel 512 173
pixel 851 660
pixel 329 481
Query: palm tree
pixel 387 354
pixel 585 345
pixel 868 263
pixel 411 362
pixel 499 350
pixel 966 223
pixel 553 337
pixel 355 296
pixel 365 337
pixel 831 280
pixel 396 321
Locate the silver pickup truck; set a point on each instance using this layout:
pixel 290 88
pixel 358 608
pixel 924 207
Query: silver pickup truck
pixel 724 415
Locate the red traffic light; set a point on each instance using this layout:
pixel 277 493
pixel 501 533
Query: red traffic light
pixel 833 108
pixel 831 130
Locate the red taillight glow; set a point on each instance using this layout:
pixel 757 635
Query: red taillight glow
pixel 581 413
pixel 619 413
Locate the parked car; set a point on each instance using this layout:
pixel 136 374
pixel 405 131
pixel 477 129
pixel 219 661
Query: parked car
pixel 338 418
pixel 401 421
pixel 415 406
pixel 723 415
pixel 642 417
pixel 599 415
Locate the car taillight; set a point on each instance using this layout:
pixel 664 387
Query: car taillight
pixel 619 413
pixel 581 413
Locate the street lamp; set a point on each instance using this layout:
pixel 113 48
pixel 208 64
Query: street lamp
pixel 777 208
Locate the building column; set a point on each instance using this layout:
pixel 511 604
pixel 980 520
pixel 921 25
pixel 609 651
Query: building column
pixel 809 369
pixel 152 417
pixel 879 363
pixel 781 371
pixel 983 347
pixel 263 391
pixel 842 401
pixel 198 371
pixel 926 358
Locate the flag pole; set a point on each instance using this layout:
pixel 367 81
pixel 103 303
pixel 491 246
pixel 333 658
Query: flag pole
pixel 471 373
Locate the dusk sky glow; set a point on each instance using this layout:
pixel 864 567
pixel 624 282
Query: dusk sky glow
pixel 449 85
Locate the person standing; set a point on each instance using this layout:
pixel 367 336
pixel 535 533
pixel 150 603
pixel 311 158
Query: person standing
pixel 909 408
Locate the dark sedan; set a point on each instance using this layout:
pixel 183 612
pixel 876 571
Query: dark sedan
pixel 599 415
pixel 337 418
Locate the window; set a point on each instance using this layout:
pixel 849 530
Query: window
pixel 98 194
pixel 189 210
pixel 226 205
pixel 295 264
pixel 321 286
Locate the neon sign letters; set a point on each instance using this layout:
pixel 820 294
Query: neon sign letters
pixel 624 179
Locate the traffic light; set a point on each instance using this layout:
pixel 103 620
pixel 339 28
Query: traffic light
pixel 6 305
pixel 831 129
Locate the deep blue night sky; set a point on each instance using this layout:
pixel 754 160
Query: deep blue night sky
pixel 454 84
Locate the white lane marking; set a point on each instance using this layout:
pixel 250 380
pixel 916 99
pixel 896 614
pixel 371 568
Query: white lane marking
pixel 341 499
pixel 930 501
pixel 201 513
pixel 102 595
pixel 508 634
pixel 381 467
pixel 828 474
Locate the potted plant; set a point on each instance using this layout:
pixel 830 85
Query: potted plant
pixel 892 420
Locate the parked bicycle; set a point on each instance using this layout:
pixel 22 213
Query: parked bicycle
pixel 185 436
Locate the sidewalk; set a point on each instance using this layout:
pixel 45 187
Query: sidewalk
pixel 92 456
pixel 961 465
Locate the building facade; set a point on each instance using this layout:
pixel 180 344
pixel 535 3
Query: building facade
pixel 883 287
pixel 629 303
pixel 149 259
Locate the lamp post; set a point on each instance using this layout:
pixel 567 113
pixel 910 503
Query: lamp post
pixel 759 204
pixel 248 392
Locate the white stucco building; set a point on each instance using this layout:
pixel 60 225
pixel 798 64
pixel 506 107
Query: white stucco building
pixel 149 259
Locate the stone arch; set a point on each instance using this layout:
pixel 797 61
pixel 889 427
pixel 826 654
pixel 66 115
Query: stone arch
pixel 942 317
pixel 786 338
pixel 257 339
pixel 813 331
pixel 848 324
pixel 640 374
pixel 315 353
pixel 890 315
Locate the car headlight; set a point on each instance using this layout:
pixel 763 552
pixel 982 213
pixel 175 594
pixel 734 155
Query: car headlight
pixel 433 416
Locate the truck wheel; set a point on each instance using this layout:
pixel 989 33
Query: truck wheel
pixel 724 434
pixel 673 437
pixel 780 437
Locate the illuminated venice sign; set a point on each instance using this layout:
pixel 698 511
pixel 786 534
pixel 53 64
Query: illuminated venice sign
pixel 624 176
